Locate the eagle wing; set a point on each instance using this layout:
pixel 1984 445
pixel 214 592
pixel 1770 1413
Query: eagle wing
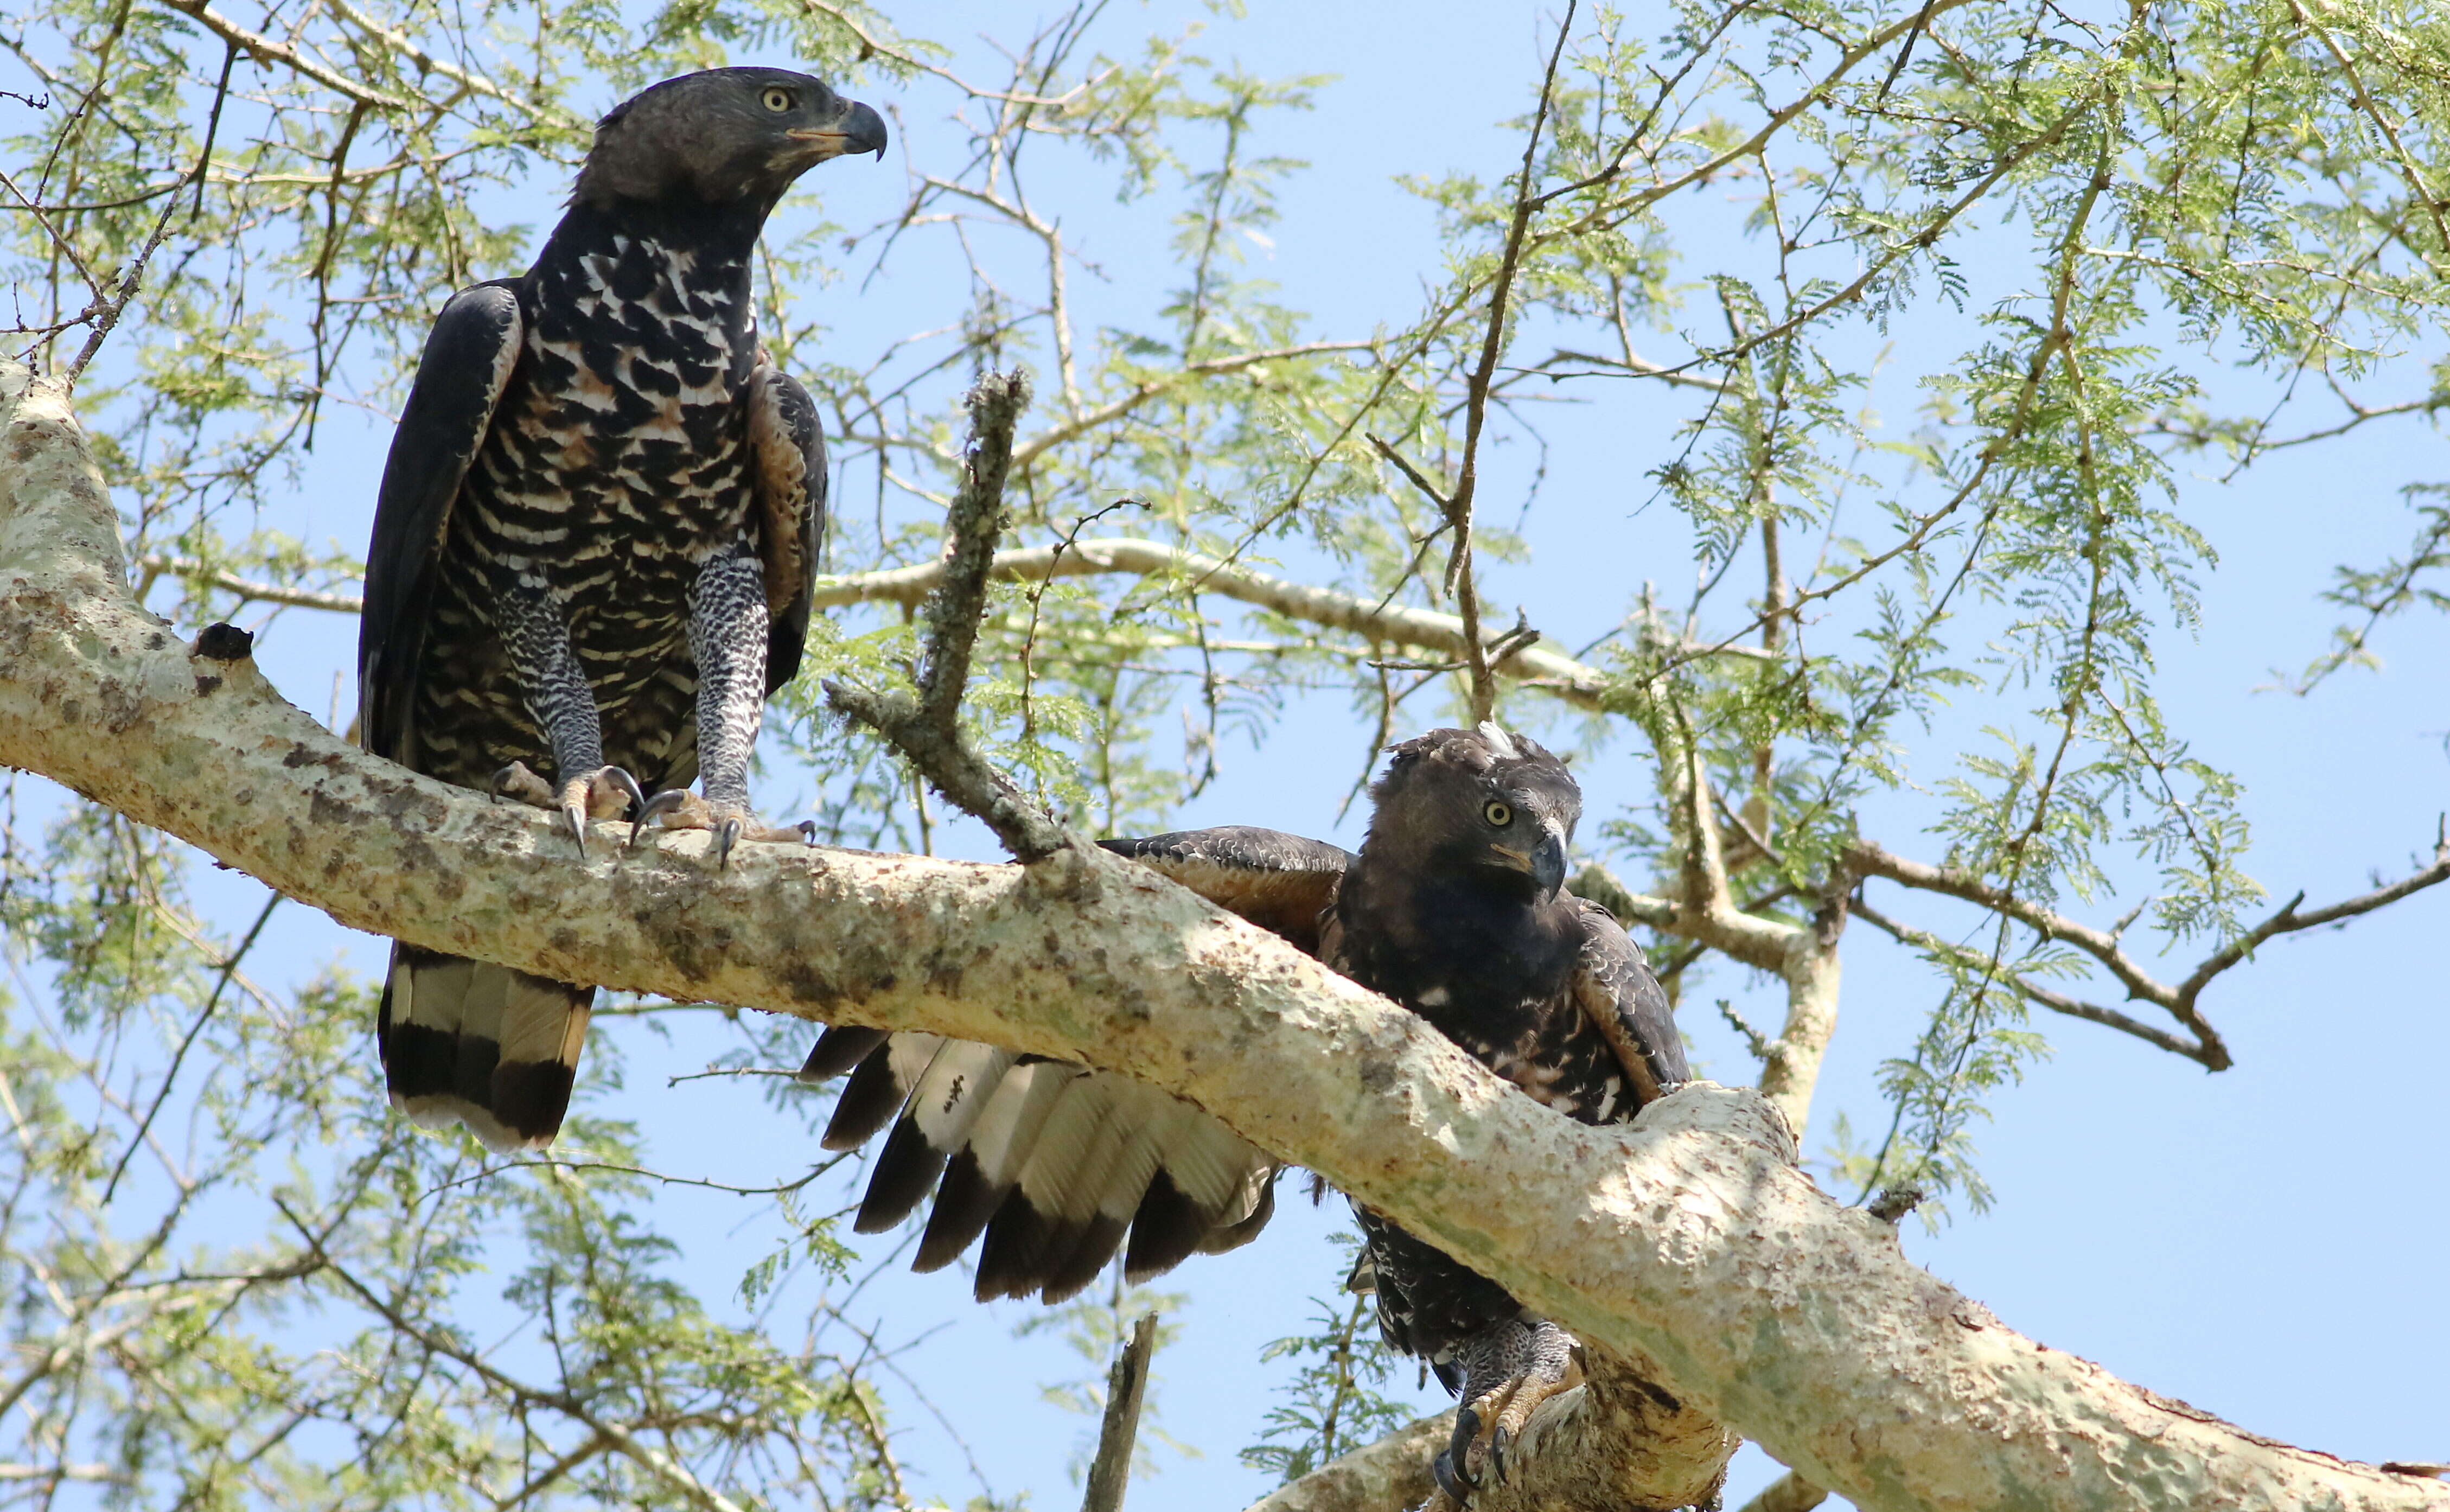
pixel 1053 1162
pixel 787 470
pixel 467 364
pixel 1623 1001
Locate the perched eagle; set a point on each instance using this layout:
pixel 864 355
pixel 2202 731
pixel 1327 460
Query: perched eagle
pixel 594 543
pixel 1455 908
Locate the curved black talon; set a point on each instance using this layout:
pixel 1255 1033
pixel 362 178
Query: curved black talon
pixel 726 836
pixel 1450 1481
pixel 1451 1465
pixel 627 784
pixel 807 828
pixel 578 797
pixel 663 803
pixel 516 775
pixel 1497 1454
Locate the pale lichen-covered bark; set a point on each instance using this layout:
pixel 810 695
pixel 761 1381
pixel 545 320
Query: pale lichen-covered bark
pixel 1689 1238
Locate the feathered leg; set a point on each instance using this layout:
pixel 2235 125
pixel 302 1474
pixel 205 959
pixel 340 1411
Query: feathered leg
pixel 727 630
pixel 1508 1370
pixel 537 638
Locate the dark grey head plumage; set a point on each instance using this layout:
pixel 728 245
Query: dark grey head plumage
pixel 721 136
pixel 1482 802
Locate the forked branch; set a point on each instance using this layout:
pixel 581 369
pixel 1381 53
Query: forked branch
pixel 2201 1041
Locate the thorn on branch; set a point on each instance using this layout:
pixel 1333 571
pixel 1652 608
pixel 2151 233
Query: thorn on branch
pixel 926 728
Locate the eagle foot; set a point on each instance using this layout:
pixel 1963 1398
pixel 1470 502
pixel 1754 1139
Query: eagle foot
pixel 608 792
pixel 679 808
pixel 1510 1370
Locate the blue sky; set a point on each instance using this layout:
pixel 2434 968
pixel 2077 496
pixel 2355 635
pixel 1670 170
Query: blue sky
pixel 2264 1243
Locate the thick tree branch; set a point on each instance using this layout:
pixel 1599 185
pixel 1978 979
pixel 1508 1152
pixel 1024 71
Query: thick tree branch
pixel 1688 1237
pixel 1382 1477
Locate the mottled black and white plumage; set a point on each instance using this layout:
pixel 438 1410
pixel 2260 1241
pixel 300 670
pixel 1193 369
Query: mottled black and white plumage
pixel 594 543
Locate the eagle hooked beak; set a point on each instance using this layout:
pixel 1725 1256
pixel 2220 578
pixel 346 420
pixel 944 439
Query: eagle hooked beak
pixel 858 129
pixel 1545 864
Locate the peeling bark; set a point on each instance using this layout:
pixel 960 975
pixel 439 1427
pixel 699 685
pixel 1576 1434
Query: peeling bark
pixel 1687 1237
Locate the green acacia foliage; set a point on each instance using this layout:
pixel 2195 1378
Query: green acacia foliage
pixel 2105 242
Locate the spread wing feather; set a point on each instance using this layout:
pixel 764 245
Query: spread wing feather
pixel 1278 881
pixel 1053 1166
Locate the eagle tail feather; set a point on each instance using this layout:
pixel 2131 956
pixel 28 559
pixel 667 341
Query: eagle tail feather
pixel 470 1042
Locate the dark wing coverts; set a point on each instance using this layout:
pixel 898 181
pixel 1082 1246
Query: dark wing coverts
pixel 790 477
pixel 460 378
pixel 1624 1002
pixel 1055 1163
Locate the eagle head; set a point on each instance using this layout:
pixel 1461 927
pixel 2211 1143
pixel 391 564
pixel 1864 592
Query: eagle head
pixel 722 136
pixel 1482 802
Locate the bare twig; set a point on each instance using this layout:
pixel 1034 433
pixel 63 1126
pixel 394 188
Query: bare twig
pixel 927 729
pixel 106 312
pixel 228 968
pixel 1459 573
pixel 248 589
pixel 1110 1474
pixel 2055 1001
pixel 1072 429
pixel 2178 1001
pixel 264 49
pixel 654 1461
pixel 1753 1039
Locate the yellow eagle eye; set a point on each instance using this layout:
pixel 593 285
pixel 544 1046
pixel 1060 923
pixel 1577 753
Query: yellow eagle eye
pixel 1498 813
pixel 778 101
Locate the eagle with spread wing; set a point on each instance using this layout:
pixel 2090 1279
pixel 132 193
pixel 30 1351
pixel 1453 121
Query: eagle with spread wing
pixel 594 544
pixel 1456 909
